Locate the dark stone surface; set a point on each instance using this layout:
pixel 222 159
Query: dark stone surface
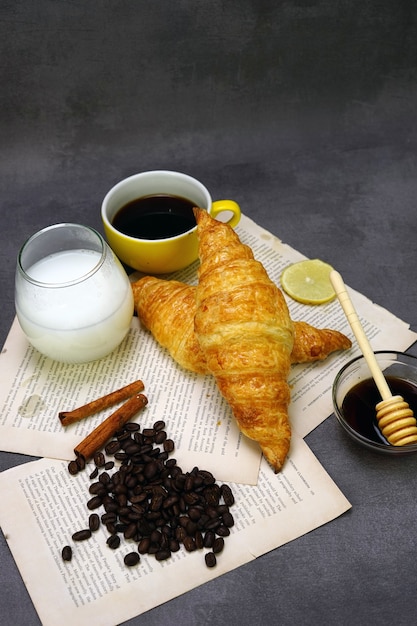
pixel 305 113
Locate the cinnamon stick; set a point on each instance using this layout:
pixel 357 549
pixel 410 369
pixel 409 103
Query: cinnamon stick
pixel 96 440
pixel 105 402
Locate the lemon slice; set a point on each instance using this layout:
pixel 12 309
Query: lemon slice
pixel 308 282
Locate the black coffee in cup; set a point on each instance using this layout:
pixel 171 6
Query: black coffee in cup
pixel 155 217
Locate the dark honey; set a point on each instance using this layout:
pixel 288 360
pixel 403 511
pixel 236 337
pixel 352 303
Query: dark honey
pixel 358 407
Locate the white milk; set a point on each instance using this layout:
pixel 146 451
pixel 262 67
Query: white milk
pixel 77 322
pixel 63 267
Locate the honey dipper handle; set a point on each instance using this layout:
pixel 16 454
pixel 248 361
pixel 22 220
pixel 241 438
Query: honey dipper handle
pixel 361 338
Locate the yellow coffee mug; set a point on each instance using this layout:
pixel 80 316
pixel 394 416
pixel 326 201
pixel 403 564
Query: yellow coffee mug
pixel 167 254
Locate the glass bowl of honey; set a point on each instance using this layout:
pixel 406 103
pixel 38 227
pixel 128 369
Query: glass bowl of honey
pixel 355 397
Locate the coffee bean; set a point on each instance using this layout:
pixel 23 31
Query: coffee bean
pixel 223 508
pixel 174 545
pixel 111 528
pixel 123 435
pixel 180 533
pixel 94 473
pixel 209 538
pixel 82 535
pixel 97 488
pixel 73 468
pixel 191 528
pixel 146 448
pixel 212 495
pixel 160 437
pixel 104 478
pixel 218 545
pixel 130 531
pixel 179 478
pixel 207 477
pixel 123 511
pixel 120 488
pixel 94 503
pixel 210 559
pixel 80 460
pixel 199 541
pixel 151 470
pixel 110 517
pixel 99 459
pixel 227 495
pixel 110 505
pixel 113 541
pixel 94 522
pixel 183 520
pixel 156 537
pixel 138 437
pixel 194 513
pixel 144 544
pixel 66 553
pixel 116 479
pixel 131 482
pixel 131 559
pixel 162 555
pixel 213 524
pixel 189 543
pixel 137 498
pixel 170 501
pixel 228 519
pixel 112 447
pixel 121 456
pixel 202 522
pixel 191 498
pixel 132 448
pixel 169 445
pixel 222 531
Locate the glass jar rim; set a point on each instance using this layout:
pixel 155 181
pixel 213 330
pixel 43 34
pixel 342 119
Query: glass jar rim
pixel 55 285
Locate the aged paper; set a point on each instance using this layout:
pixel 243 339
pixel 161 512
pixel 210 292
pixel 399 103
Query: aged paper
pixel 42 505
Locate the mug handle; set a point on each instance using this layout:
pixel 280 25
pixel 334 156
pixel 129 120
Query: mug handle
pixel 231 206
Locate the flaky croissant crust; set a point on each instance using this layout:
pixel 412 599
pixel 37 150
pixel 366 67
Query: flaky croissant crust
pixel 167 309
pixel 245 332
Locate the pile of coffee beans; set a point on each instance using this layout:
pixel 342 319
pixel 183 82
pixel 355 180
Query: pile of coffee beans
pixel 148 499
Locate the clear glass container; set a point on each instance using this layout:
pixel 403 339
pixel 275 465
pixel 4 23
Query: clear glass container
pixel 361 425
pixel 73 298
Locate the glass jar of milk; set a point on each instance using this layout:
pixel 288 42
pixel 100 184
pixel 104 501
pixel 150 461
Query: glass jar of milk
pixel 73 298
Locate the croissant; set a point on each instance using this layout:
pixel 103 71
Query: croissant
pixel 245 332
pixel 167 308
pixel 315 344
pixel 236 326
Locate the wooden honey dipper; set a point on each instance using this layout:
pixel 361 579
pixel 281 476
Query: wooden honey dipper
pixel 395 419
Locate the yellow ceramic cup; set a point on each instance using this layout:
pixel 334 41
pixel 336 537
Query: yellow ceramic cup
pixel 160 256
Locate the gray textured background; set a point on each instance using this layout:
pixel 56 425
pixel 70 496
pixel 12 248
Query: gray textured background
pixel 305 113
